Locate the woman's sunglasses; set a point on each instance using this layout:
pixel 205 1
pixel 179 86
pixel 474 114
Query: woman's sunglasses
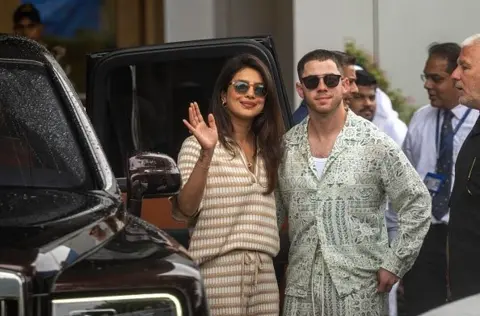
pixel 242 87
pixel 330 80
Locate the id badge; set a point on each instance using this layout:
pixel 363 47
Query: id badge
pixel 434 181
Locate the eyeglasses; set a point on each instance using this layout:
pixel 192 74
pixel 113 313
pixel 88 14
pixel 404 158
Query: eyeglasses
pixel 434 77
pixel 242 87
pixel 312 82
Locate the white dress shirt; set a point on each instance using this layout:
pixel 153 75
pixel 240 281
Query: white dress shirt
pixel 420 145
pixel 393 128
pixel 386 118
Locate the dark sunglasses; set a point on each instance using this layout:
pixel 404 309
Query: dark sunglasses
pixel 242 87
pixel 330 80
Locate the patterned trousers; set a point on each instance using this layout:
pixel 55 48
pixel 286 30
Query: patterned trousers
pixel 322 298
pixel 241 283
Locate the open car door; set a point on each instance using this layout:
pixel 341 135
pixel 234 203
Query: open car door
pixel 137 98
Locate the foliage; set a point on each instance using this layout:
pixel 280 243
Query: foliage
pixel 399 102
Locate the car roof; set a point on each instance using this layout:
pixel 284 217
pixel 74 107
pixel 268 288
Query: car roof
pixel 16 47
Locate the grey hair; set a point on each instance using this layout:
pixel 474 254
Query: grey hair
pixel 471 40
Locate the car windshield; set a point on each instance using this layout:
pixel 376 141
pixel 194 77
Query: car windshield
pixel 38 146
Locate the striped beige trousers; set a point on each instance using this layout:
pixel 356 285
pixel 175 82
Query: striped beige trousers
pixel 241 283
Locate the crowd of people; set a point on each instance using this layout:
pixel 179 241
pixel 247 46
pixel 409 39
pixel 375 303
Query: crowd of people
pixel 369 202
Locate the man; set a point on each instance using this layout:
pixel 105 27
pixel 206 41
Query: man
pixel 464 226
pixel 28 23
pixel 435 135
pixel 386 115
pixel 337 172
pixel 364 104
pixel 348 66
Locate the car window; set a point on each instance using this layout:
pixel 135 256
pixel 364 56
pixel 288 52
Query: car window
pixel 162 92
pixel 38 147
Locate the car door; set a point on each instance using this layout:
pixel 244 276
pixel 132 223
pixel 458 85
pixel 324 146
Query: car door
pixel 137 98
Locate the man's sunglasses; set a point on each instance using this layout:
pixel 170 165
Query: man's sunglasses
pixel 242 87
pixel 330 80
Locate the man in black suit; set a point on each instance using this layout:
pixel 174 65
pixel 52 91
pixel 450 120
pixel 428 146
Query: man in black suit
pixel 464 226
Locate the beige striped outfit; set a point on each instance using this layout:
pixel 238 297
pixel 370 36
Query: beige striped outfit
pixel 234 234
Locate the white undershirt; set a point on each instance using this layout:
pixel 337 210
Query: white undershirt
pixel 320 164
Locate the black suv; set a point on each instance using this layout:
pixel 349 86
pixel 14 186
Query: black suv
pixel 69 243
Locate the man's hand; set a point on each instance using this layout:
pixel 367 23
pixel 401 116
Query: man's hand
pixel 385 280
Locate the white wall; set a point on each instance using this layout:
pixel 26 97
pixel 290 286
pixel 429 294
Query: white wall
pixel 186 20
pixel 408 27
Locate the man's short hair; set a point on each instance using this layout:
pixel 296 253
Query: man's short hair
pixel 471 40
pixel 28 11
pixel 345 59
pixel 319 55
pixel 449 51
pixel 365 79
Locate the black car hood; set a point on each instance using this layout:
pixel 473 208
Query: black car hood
pixel 139 259
pixel 39 229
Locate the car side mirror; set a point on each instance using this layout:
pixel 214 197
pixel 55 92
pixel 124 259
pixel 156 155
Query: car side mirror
pixel 150 175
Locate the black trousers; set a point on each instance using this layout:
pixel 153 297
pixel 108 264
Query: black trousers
pixel 425 285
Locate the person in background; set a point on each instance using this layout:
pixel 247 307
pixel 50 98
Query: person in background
pixel 435 135
pixel 364 104
pixel 386 115
pixel 229 172
pixel 336 173
pixel 464 225
pixel 348 68
pixel 27 22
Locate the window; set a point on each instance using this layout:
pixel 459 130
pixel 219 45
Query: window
pixel 163 94
pixel 38 147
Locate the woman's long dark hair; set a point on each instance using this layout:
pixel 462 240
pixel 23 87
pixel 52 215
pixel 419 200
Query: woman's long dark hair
pixel 268 126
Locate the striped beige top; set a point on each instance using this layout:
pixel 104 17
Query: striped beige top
pixel 234 213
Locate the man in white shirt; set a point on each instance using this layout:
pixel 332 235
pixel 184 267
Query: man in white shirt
pixel 385 114
pixel 435 136
pixel 364 104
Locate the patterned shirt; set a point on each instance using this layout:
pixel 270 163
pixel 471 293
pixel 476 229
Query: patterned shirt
pixel 234 213
pixel 342 211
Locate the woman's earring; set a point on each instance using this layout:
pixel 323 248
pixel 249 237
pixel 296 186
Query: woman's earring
pixel 224 103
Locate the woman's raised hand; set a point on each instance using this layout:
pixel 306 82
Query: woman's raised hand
pixel 206 134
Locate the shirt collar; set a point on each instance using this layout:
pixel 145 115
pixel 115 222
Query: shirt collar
pixel 459 111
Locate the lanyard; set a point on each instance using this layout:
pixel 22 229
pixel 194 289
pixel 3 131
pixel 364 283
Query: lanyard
pixel 437 133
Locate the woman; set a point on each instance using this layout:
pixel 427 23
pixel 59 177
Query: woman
pixel 229 171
